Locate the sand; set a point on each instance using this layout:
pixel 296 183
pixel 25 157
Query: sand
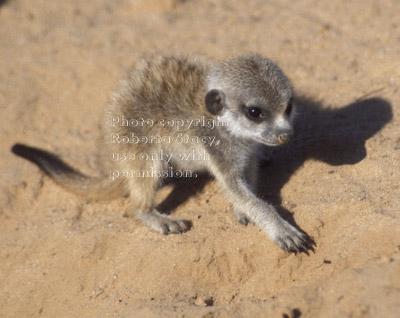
pixel 64 256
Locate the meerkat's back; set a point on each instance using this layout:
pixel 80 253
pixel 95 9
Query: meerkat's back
pixel 164 86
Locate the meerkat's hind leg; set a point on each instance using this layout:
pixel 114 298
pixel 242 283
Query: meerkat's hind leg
pixel 142 192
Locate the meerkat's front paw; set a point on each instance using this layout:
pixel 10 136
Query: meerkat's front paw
pixel 164 224
pixel 293 240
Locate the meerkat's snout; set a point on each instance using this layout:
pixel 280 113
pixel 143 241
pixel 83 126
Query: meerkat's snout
pixel 286 136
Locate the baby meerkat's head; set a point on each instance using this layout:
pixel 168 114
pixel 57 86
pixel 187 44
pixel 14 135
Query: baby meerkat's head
pixel 253 96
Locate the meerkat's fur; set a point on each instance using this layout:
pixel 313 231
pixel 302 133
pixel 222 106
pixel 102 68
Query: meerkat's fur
pixel 249 93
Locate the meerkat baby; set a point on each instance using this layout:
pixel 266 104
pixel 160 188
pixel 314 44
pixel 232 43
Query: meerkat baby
pixel 157 118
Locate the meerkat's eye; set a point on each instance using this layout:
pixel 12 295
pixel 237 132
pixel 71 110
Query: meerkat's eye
pixel 255 112
pixel 289 108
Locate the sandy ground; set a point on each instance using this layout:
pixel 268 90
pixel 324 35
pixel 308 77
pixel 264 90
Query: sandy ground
pixel 63 256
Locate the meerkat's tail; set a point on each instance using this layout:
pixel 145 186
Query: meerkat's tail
pixel 69 178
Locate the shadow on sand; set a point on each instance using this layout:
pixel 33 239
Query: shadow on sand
pixel 334 136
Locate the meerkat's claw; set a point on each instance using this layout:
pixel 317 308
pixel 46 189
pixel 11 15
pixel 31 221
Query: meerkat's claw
pixel 244 221
pixel 293 240
pixel 242 218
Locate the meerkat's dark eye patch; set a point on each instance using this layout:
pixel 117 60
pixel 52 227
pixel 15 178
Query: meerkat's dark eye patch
pixel 289 108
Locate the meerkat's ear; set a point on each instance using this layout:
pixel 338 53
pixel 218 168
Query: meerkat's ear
pixel 215 101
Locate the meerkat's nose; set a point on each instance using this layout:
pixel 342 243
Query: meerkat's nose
pixel 286 136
